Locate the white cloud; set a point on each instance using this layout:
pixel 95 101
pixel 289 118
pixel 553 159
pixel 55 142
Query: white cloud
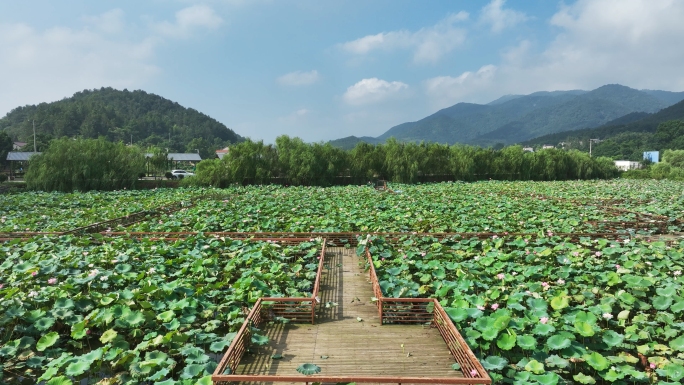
pixel 500 18
pixel 299 78
pixel 296 116
pixel 188 20
pixel 109 22
pixel 42 65
pixel 630 42
pixel 428 44
pixel 372 90
pixel 446 89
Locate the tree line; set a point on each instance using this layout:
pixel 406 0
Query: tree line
pixel 291 161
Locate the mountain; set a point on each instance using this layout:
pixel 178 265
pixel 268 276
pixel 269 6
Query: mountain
pixel 637 122
pixel 515 118
pixel 143 118
pixel 350 141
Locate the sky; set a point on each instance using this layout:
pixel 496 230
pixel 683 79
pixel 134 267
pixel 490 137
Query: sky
pixel 322 70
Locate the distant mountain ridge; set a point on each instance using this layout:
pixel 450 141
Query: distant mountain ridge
pixel 516 118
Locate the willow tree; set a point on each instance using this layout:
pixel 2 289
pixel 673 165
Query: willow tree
pixel 85 164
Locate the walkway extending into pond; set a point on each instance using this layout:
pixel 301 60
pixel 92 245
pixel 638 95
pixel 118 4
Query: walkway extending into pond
pixel 341 344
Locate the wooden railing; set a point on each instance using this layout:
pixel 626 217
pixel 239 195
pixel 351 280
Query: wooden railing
pixel 297 310
pixel 428 311
pixel 238 346
pixel 377 290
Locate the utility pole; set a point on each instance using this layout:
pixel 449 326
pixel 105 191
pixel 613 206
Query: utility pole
pixel 34 136
pixel 590 142
pixel 131 139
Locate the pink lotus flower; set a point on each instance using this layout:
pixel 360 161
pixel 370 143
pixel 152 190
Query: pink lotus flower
pixel 677 273
pixel 500 276
pixel 1 286
pixel 474 373
pixel 34 273
pixel 495 306
pixel 652 365
pixel 544 320
pixel 52 281
pixel 617 266
pixel 480 307
pixel 598 253
pixel 545 284
pixel 494 237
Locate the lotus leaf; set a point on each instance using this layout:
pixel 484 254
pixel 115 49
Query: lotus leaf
pixel 494 363
pixel 308 369
pixel 46 341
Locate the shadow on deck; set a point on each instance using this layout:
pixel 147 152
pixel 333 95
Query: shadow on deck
pixel 348 338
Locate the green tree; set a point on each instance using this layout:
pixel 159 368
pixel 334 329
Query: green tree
pixel 85 164
pixel 6 145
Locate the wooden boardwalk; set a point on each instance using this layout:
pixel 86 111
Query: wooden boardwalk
pixel 341 344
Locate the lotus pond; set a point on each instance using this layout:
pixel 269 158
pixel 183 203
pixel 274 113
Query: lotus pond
pixel 536 308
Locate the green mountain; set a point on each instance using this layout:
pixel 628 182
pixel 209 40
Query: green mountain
pixel 515 118
pixel 626 137
pixel 143 118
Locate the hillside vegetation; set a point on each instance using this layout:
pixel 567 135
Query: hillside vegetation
pixel 143 118
pixel 516 118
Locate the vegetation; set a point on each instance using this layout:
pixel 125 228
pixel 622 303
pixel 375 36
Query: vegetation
pixel 85 164
pixel 537 307
pixel 294 162
pixel 128 116
pixel 516 118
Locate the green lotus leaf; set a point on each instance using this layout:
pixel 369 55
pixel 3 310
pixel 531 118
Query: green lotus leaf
pixel 494 363
pixel 46 341
pixel 506 341
pixel 677 307
pixel 558 342
pixel 537 304
pixel 677 344
pixel 22 267
pixel 64 303
pixel 93 355
pixel 276 356
pixel 35 362
pixel 259 339
pixel 548 378
pixel 104 301
pixel 308 369
pixel 560 302
pixel 166 382
pixel 61 380
pixel 219 346
pixel 192 370
pixel 123 268
pixel 612 338
pixel 78 330
pixel 456 314
pixel 456 366
pixel 674 372
pixel 543 329
pixel 173 325
pixel 490 334
pixel 8 351
pixel 206 380
pixel 584 329
pixel 584 379
pixel 661 303
pixel 108 336
pixel 134 319
pixel 166 316
pixel 597 361
pixel 62 313
pixel 77 368
pixel 527 342
pixel 535 367
pixel 667 291
pixel 557 361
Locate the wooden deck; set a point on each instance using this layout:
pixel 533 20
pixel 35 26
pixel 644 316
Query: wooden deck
pixel 352 347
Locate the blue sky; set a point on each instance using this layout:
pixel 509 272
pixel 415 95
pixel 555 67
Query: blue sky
pixel 323 70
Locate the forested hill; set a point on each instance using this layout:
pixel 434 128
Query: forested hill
pixel 516 118
pixel 146 119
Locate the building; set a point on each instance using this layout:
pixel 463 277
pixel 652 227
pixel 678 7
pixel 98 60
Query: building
pixel 653 156
pixel 222 153
pixel 18 145
pixel 625 165
pixel 528 149
pixel 546 146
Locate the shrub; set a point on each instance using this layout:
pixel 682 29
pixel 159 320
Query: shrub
pixel 3 177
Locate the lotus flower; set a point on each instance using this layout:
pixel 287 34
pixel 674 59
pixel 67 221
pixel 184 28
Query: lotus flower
pixel 474 373
pixel 544 320
pixel 677 273
pixel 501 276
pixel 495 306
pixel 52 281
pixel 607 315
pixel 561 282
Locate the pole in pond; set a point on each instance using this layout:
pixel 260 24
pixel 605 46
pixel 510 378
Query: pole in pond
pixel 34 136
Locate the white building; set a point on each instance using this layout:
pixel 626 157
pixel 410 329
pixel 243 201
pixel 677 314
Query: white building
pixel 528 149
pixel 624 165
pixel 547 146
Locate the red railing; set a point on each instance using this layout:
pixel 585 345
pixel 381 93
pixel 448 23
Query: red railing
pixel 428 311
pixel 238 346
